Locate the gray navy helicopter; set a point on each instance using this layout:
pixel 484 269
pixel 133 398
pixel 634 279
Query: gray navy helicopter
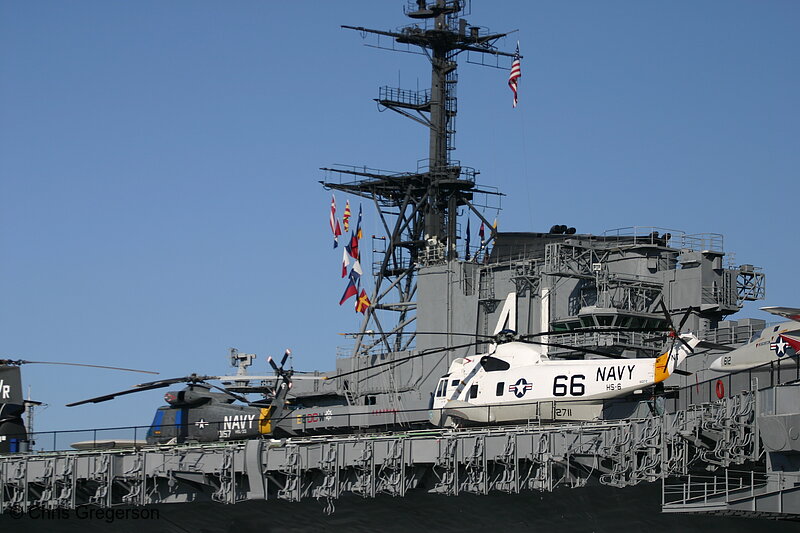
pixel 204 412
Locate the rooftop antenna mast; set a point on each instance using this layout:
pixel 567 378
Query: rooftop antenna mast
pixel 419 209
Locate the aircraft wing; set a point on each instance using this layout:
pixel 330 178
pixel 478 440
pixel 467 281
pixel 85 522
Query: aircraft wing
pixel 792 313
pixel 794 342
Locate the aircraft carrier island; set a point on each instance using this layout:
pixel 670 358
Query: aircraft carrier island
pixel 532 380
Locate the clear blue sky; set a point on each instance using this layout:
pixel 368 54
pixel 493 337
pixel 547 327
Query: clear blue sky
pixel 159 162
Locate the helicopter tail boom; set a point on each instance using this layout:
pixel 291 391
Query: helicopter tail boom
pixel 665 363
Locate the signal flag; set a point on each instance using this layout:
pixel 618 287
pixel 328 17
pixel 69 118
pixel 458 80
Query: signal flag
pixel 357 270
pixel 346 216
pixel 358 225
pixel 352 248
pixel 352 287
pixel 335 228
pixel 362 303
pixel 345 261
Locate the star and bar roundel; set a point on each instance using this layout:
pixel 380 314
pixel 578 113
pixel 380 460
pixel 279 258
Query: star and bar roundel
pixel 783 342
pixel 520 387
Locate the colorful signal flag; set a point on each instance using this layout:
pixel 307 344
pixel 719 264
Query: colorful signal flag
pixel 345 261
pixel 352 287
pixel 335 228
pixel 362 303
pixel 346 216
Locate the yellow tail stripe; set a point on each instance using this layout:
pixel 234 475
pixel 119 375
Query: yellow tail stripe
pixel 661 372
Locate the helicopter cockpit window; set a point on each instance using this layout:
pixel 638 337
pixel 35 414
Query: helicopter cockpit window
pixel 493 364
pixel 473 391
pixel 500 388
pixel 454 383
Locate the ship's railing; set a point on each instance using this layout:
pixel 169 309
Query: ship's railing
pixel 698 492
pixel 453 169
pixel 601 339
pixel 320 421
pixel 668 237
pixel 719 488
pixel 408 97
pixel 733 334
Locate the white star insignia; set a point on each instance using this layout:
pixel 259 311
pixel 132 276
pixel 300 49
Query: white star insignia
pixel 780 346
pixel 201 423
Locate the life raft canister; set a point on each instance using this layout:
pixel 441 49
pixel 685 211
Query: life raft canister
pixel 720 388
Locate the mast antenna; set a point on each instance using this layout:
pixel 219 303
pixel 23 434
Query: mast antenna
pixel 419 209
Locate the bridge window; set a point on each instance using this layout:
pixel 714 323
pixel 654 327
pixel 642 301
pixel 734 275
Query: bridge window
pixel 473 391
pixel 500 388
pixel 605 320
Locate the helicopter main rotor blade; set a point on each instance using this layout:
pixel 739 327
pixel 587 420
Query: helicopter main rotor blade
pixel 273 365
pixel 113 395
pixel 25 362
pixel 686 316
pixel 373 333
pixel 229 393
pixel 192 378
pixel 265 377
pixel 286 355
pixel 576 348
pixel 598 329
pixel 403 359
pixel 666 314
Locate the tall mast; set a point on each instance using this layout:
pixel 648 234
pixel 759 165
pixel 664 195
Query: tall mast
pixel 419 210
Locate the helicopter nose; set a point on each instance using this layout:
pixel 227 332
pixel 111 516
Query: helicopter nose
pixel 716 365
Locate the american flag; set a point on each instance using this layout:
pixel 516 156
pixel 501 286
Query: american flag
pixel 515 74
